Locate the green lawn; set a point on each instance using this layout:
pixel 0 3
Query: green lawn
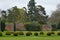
pixel 39 37
pixel 29 38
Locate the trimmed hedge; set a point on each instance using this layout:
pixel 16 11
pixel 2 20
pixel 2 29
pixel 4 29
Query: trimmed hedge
pixel 28 33
pixel 52 32
pixel 41 33
pixel 20 33
pixel 0 33
pixel 36 34
pixel 8 33
pixel 49 33
pixel 58 33
pixel 15 33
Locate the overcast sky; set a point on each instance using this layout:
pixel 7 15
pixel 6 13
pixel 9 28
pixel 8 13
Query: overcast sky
pixel 49 5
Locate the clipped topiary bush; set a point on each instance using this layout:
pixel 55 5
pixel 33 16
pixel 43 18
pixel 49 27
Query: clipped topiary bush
pixel 8 33
pixel 52 32
pixel 41 33
pixel 58 33
pixel 36 34
pixel 0 33
pixel 20 33
pixel 28 34
pixel 15 33
pixel 49 33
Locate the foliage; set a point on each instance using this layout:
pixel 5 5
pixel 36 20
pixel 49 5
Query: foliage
pixel 58 26
pixel 58 33
pixel 33 26
pixel 41 33
pixel 49 33
pixel 0 33
pixel 55 16
pixel 54 27
pixel 20 33
pixel 8 33
pixel 15 33
pixel 36 13
pixel 2 26
pixel 36 34
pixel 16 14
pixel 3 15
pixel 28 34
pixel 52 32
pixel 3 20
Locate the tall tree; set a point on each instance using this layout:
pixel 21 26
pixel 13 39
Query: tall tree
pixel 55 16
pixel 14 15
pixel 26 15
pixel 17 15
pixel 31 9
pixel 3 20
pixel 36 13
pixel 20 16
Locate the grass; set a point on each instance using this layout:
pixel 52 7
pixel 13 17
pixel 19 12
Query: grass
pixel 32 37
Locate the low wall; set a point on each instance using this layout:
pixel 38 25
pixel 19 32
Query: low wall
pixel 10 27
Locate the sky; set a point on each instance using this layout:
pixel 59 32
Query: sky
pixel 50 5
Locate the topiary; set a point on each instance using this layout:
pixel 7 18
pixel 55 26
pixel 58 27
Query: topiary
pixel 41 33
pixel 20 33
pixel 49 33
pixel 52 33
pixel 28 34
pixel 58 33
pixel 15 33
pixel 8 33
pixel 0 33
pixel 36 34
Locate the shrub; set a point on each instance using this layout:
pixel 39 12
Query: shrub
pixel 8 33
pixel 42 33
pixel 52 33
pixel 15 34
pixel 49 33
pixel 20 33
pixel 33 26
pixel 28 34
pixel 0 33
pixel 53 27
pixel 3 25
pixel 58 33
pixel 36 34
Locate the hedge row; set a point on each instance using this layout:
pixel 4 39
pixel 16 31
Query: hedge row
pixel 29 33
